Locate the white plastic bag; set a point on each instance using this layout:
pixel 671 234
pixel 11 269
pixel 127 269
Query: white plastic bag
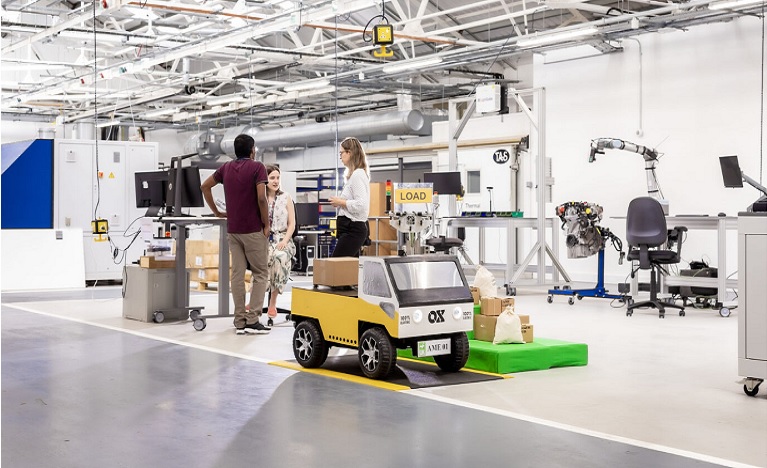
pixel 485 282
pixel 508 328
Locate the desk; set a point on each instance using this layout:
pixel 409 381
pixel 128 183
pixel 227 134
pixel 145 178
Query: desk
pixel 181 287
pixel 720 224
pixel 510 225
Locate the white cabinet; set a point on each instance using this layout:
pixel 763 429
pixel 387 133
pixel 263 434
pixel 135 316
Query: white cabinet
pixel 86 189
pixel 752 292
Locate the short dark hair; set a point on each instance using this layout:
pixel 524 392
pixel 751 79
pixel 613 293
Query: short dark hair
pixel 243 145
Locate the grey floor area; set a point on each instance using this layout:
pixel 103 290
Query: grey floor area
pixel 75 395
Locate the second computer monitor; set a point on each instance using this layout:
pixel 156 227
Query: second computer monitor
pixel 191 194
pixel 307 214
pixel 445 183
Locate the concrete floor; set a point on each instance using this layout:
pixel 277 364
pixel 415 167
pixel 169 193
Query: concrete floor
pixel 84 387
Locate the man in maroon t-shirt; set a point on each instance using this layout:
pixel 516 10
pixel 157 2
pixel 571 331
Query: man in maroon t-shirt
pixel 247 222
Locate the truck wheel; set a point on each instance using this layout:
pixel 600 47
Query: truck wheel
pixel 309 348
pixel 459 354
pixel 376 353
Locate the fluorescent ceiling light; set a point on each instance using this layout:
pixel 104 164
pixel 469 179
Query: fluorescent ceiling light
pixel 220 100
pixel 110 123
pixel 556 37
pixel 160 112
pixel 411 64
pixel 88 36
pixel 304 85
pixel 732 4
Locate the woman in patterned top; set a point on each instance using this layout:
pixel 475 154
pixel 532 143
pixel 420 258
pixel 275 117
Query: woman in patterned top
pixel 281 248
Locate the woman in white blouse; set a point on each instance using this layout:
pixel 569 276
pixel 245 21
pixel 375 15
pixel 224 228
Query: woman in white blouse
pixel 354 202
pixel 282 220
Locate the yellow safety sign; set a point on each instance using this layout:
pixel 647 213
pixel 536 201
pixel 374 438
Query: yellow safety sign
pixel 111 175
pixel 412 195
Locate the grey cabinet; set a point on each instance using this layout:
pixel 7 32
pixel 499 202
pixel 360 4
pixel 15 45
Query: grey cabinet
pixel 752 291
pixel 148 291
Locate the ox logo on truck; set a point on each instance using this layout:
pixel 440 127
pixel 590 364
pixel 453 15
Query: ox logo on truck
pixel 436 316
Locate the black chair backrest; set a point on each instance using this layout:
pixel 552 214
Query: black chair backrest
pixel 645 222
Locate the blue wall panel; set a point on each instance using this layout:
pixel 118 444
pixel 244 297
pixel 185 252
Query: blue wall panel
pixel 27 185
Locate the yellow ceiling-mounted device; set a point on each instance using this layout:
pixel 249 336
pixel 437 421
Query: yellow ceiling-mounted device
pixel 383 35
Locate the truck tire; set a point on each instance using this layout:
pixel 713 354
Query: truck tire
pixel 459 354
pixel 377 355
pixel 309 348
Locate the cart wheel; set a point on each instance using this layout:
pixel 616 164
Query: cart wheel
pixel 376 354
pixel 681 313
pixel 309 348
pixel 194 314
pixel 199 324
pixel 510 290
pixel 571 301
pixel 724 312
pixel 550 299
pixel 158 317
pixel 459 354
pixel 579 297
pixel 629 313
pixel 751 392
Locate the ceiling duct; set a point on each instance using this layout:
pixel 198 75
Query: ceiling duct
pixel 410 122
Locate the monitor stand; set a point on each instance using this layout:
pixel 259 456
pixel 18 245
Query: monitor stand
pixel 153 211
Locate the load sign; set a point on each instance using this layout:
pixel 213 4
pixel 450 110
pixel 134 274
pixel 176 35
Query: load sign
pixel 413 195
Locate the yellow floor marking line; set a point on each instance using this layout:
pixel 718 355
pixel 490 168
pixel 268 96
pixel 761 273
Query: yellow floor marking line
pixel 342 376
pixel 476 371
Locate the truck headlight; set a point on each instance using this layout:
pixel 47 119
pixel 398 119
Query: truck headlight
pixel 457 313
pixel 417 315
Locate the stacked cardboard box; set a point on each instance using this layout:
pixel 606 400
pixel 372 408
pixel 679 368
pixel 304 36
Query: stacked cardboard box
pixel 202 260
pixel 381 230
pixel 490 309
pixel 378 200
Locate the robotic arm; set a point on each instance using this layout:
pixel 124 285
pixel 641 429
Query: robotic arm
pixel 650 156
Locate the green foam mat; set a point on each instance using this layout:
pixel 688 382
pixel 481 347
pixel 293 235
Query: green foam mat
pixel 541 354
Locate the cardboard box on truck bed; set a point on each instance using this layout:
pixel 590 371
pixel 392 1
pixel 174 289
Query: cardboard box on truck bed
pixel 340 271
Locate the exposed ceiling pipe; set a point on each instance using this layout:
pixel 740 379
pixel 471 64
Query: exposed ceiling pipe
pixel 411 122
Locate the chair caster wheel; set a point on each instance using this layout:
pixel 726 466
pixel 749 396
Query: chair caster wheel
pixel 681 313
pixel 270 322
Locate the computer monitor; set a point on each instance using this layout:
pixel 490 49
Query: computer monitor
pixel 445 183
pixel 731 174
pixel 150 191
pixel 307 214
pixel 191 194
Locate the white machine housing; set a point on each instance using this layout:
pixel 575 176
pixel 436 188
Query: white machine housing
pixel 84 190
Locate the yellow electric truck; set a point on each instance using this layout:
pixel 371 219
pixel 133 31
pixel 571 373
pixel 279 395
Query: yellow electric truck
pixel 417 302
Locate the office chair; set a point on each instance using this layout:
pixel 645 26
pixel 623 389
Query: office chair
pixel 646 233
pixel 444 244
